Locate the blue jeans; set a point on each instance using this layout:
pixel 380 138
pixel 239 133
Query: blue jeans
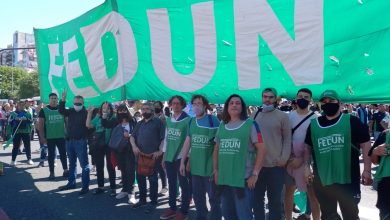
pixel 271 179
pixel 234 207
pixel 78 149
pixel 200 186
pixel 153 184
pixel 185 185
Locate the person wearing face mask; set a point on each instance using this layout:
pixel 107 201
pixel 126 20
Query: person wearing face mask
pixel 125 157
pixel 158 112
pixel 276 131
pixel 147 140
pixel 52 133
pixel 200 140
pixel 101 149
pixel 299 159
pixel 76 143
pixel 335 140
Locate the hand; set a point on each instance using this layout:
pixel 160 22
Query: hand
pixel 295 163
pixel 64 94
pixel 252 181
pixel 381 150
pixel 136 151
pixel 182 169
pixel 157 154
pixel 126 134
pixel 308 174
pixel 90 109
pixel 366 178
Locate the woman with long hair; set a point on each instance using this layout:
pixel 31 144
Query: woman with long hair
pixel 238 157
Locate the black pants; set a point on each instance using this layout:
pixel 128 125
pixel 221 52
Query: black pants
pixel 51 146
pixel 162 174
pixel 100 154
pixel 383 202
pixel 346 195
pixel 153 190
pixel 26 142
pixel 126 162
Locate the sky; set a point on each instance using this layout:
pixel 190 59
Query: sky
pixel 24 15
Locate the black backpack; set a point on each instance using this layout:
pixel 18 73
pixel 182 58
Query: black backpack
pixel 117 141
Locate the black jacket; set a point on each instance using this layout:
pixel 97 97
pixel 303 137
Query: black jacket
pixel 75 128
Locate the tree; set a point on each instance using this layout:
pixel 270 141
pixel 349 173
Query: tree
pixel 9 91
pixel 29 86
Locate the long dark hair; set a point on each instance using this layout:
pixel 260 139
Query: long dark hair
pixel 109 106
pixel 122 107
pixel 225 114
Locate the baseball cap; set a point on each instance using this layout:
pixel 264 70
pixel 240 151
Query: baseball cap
pixel 329 94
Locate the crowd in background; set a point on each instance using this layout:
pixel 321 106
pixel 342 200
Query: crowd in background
pixel 233 153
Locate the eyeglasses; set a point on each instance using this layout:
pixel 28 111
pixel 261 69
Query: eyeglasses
pixel 77 104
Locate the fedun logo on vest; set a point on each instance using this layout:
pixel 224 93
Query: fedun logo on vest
pixel 334 142
pixel 173 134
pixel 229 146
pixel 200 141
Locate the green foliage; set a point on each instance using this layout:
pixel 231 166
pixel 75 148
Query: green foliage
pixel 25 84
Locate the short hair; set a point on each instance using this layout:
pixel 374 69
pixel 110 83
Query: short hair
pixel 178 97
pixel 204 100
pixel 159 103
pixel 52 94
pixel 225 114
pixel 79 97
pixel 305 90
pixel 150 104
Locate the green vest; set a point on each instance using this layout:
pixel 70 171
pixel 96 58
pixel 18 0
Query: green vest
pixel 202 147
pixel 176 135
pixel 384 166
pixel 232 154
pixel 54 124
pixel 332 150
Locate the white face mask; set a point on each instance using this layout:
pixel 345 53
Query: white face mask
pixel 268 108
pixel 77 108
pixel 198 110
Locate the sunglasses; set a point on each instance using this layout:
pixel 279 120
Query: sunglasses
pixel 77 104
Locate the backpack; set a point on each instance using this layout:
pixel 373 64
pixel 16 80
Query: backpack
pixel 117 141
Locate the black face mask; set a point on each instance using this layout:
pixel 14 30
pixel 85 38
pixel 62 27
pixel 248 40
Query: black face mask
pixel 330 109
pixel 157 110
pixel 147 115
pixel 302 103
pixel 121 116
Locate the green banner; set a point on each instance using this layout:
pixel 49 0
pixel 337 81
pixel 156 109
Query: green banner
pixel 153 49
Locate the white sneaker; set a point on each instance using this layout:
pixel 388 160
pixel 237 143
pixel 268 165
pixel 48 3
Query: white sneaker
pixel 132 199
pixel 13 163
pixel 30 162
pixel 93 170
pixel 121 195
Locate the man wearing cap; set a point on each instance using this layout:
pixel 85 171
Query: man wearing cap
pixel 335 140
pixel 276 131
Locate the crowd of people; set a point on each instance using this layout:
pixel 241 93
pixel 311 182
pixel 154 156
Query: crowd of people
pixel 234 154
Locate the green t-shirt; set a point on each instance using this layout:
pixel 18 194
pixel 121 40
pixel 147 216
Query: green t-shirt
pixel 332 150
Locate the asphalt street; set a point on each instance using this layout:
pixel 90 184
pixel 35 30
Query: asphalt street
pixel 26 193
